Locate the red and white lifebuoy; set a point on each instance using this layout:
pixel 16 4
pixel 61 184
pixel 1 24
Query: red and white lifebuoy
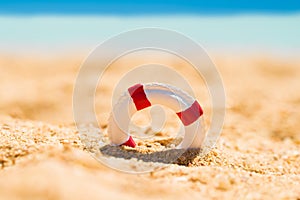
pixel 141 96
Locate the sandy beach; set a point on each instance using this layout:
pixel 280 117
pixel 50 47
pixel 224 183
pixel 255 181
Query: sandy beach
pixel 256 157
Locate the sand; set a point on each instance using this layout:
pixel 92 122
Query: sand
pixel 256 157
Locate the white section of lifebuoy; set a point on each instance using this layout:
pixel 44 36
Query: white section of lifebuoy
pixel 141 96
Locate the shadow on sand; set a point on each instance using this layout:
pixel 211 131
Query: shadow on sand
pixel 172 156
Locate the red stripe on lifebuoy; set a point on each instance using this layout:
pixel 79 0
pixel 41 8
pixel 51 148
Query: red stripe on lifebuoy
pixel 139 97
pixel 191 114
pixel 130 142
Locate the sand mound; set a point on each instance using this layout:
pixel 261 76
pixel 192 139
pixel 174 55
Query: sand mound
pixel 257 156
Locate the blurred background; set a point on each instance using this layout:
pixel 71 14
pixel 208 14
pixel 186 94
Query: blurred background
pixel 64 27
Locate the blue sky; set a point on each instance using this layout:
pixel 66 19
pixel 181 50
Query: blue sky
pixel 132 7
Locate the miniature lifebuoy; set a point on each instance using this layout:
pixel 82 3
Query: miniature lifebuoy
pixel 141 96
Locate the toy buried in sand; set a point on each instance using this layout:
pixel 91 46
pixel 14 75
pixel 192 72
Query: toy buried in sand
pixel 141 96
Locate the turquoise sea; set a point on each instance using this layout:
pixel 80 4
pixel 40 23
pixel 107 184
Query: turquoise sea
pixel 64 34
